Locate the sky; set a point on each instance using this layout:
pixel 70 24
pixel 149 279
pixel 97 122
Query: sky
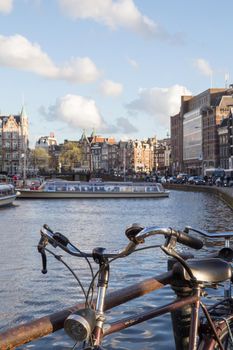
pixel 119 67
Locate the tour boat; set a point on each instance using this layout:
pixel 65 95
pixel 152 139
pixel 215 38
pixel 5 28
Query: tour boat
pixel 7 194
pixel 79 189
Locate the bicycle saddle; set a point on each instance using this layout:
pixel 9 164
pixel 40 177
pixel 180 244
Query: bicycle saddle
pixel 213 270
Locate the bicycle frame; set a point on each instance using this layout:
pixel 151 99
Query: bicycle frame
pixel 193 300
pixel 23 333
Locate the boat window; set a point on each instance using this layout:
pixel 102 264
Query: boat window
pixel 126 189
pixel 149 189
pixel 110 188
pixel 49 187
pixel 99 189
pixel 6 190
pixel 86 188
pixel 138 189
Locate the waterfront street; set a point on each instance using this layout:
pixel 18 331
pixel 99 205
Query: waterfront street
pixel 27 294
pixel 223 193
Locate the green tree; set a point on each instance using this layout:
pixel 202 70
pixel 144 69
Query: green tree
pixel 40 158
pixel 70 156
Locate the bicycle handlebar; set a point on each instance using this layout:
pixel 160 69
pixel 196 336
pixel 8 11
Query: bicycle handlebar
pixel 58 239
pixel 181 237
pixel 136 234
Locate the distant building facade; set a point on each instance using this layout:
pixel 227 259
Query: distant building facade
pixel 14 143
pixel 196 125
pixel 97 152
pixel 163 156
pixel 176 144
pixel 225 134
pixel 46 142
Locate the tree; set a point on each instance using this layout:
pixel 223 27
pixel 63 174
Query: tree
pixel 70 156
pixel 40 159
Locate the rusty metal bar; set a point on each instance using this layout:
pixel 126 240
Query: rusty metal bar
pixel 138 318
pixel 27 332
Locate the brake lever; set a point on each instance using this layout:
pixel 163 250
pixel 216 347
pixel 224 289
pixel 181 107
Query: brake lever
pixel 41 249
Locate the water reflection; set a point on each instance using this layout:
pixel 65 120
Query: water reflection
pixel 27 294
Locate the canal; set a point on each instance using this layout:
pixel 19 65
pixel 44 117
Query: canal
pixel 26 294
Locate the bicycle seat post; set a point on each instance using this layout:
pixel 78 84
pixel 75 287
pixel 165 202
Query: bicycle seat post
pixel 103 278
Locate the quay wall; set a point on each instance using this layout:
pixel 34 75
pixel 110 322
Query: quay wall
pixel 224 193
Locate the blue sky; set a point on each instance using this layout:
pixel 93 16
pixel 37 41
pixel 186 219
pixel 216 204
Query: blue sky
pixel 119 66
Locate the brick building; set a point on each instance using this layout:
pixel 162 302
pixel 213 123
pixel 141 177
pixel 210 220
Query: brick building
pixel 225 134
pixel 176 143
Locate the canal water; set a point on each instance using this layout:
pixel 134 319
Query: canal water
pixel 26 294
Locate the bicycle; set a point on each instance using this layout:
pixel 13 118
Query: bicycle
pixel 189 278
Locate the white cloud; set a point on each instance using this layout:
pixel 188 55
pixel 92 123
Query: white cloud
pixel 203 66
pixel 81 70
pixel 76 111
pixel 114 14
pixel 111 88
pixel 6 6
pixel 160 103
pixel 82 113
pixel 18 52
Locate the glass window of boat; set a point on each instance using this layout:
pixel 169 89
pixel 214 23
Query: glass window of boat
pixel 87 188
pixel 112 188
pixel 151 189
pixel 60 186
pixel 49 186
pixel 6 190
pixel 70 188
pixel 99 188
pixel 127 188
pixel 138 189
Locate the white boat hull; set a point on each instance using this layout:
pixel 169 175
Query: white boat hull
pixel 64 195
pixel 8 200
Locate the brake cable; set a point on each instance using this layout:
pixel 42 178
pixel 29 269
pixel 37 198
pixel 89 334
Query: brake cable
pixel 59 258
pixel 91 286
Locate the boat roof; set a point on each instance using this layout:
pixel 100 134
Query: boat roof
pixel 91 183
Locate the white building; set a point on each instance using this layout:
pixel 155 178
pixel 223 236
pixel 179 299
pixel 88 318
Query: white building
pixel 14 143
pixel 46 142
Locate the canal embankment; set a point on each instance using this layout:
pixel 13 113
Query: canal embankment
pixel 223 193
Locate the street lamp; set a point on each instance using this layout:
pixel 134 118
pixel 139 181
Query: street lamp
pixel 124 161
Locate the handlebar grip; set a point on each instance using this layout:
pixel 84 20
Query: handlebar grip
pixel 44 262
pixel 40 247
pixel 189 241
pixel 60 238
